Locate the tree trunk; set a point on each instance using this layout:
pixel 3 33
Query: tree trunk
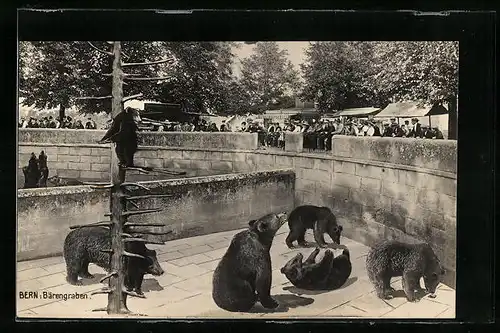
pixel 117 300
pixel 62 112
pixel 452 118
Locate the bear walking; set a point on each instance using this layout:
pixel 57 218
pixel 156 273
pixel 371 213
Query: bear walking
pixel 320 219
pixel 411 261
pixel 328 274
pixel 243 276
pixel 84 245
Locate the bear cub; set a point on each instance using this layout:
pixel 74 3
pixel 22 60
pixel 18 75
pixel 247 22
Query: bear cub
pixel 84 245
pixel 411 261
pixel 328 274
pixel 243 275
pixel 320 219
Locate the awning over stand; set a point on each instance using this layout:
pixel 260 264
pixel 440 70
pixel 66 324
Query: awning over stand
pixel 358 112
pixel 410 110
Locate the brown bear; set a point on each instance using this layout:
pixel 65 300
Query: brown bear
pixel 84 245
pixel 328 274
pixel 411 261
pixel 243 276
pixel 320 219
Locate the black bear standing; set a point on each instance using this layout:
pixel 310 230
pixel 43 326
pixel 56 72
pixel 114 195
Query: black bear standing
pixel 243 276
pixel 320 219
pixel 411 261
pixel 123 132
pixel 44 170
pixel 328 274
pixel 31 172
pixel 84 245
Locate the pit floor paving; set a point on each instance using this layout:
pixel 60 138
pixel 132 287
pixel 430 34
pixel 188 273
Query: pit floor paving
pixel 184 290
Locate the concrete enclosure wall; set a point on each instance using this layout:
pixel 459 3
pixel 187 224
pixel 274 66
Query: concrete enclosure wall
pixel 76 154
pixel 380 188
pixel 198 206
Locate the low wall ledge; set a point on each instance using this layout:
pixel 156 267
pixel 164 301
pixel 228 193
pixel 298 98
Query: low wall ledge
pixel 71 145
pixel 222 177
pixel 48 191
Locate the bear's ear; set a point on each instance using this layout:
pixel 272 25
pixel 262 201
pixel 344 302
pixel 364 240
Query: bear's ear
pixel 340 228
pixel 252 222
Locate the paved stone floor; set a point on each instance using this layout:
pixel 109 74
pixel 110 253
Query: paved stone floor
pixel 184 291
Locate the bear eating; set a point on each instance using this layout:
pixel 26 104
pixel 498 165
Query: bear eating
pixel 320 219
pixel 411 261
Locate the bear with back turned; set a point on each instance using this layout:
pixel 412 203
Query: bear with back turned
pixel 84 245
pixel 44 170
pixel 329 273
pixel 123 132
pixel 320 219
pixel 31 173
pixel 243 276
pixel 411 261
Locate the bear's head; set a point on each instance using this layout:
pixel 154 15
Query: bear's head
pixel 432 278
pixel 335 232
pixel 33 161
pixel 153 266
pixel 267 226
pixel 433 270
pixel 293 268
pixel 134 114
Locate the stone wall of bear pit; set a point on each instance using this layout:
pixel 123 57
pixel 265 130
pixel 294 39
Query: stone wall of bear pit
pixel 379 188
pixel 198 206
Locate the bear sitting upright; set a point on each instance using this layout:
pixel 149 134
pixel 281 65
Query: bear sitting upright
pixel 243 276
pixel 320 219
pixel 411 261
pixel 328 274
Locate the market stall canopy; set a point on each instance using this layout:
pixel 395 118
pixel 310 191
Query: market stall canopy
pixel 410 109
pixel 358 112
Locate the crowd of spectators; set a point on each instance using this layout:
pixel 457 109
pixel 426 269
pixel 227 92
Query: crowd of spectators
pixel 51 122
pixel 317 133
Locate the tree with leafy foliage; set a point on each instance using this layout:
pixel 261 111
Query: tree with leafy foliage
pixel 201 78
pixel 340 75
pixel 268 77
pixel 335 75
pixel 64 74
pixel 426 72
pixel 237 99
pixel 48 73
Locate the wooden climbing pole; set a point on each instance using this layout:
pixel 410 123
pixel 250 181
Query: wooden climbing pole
pixel 121 200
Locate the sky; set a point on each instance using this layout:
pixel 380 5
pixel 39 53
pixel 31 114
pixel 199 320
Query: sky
pixel 296 53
